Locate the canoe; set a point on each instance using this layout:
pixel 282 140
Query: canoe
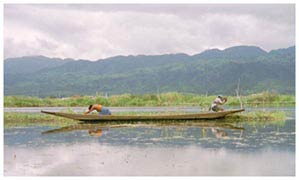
pixel 91 117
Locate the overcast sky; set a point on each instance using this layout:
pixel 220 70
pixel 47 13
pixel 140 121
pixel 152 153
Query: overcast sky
pixel 99 31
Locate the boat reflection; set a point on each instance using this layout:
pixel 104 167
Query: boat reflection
pixel 218 129
pixel 219 133
pixel 95 132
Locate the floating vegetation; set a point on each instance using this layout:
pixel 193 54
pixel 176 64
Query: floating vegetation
pixel 258 116
pixel 34 119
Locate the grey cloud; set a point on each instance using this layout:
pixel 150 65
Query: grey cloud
pixel 99 31
pixel 276 12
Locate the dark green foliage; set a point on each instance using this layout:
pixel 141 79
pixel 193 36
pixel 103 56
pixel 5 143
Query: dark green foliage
pixel 211 72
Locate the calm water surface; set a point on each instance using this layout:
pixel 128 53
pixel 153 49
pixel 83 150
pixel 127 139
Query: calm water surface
pixel 164 148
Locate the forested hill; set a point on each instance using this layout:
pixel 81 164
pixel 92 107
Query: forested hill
pixel 212 71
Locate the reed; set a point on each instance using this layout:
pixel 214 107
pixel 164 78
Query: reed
pixel 164 99
pixel 34 119
pixel 258 116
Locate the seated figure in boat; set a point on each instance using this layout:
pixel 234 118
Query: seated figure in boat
pixel 99 108
pixel 216 104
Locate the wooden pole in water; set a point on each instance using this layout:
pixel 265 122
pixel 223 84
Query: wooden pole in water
pixel 207 103
pixel 238 95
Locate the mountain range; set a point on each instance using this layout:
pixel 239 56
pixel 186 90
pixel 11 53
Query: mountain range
pixel 212 71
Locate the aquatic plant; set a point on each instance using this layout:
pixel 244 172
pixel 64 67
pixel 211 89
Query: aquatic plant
pixel 34 119
pixel 258 116
pixel 164 99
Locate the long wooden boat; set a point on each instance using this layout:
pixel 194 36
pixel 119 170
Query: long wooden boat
pixel 92 117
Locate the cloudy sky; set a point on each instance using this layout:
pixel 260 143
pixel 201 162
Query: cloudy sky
pixel 99 31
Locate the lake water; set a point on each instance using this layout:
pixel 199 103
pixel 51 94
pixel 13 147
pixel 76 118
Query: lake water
pixel 173 148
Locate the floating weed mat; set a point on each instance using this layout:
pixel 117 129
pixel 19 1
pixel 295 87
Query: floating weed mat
pixel 34 119
pixel 258 116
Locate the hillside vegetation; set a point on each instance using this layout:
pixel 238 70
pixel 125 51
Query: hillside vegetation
pixel 210 72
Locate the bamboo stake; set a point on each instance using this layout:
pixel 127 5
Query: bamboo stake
pixel 238 95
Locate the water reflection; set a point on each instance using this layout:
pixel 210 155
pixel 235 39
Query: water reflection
pixel 96 132
pixel 95 159
pixel 153 148
pixel 219 133
pixel 95 129
pixel 207 128
pixel 206 134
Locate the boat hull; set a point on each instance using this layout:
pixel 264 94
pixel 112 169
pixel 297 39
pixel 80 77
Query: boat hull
pixel 91 118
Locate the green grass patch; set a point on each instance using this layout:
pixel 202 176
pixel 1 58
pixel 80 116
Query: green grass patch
pixel 258 116
pixel 164 99
pixel 34 119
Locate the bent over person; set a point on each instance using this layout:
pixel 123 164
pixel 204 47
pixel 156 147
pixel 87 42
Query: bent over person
pixel 99 108
pixel 220 100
